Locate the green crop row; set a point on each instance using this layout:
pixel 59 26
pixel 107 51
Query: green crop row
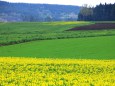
pixel 14 33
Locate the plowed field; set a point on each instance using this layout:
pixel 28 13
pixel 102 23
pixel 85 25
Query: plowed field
pixel 97 26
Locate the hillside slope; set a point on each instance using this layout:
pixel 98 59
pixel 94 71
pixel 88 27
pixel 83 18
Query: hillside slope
pixel 37 12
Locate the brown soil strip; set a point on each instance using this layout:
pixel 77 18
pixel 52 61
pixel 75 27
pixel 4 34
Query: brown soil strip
pixel 97 26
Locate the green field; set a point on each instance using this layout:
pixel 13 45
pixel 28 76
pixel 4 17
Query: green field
pixel 46 54
pixel 14 33
pixel 33 39
pixel 79 48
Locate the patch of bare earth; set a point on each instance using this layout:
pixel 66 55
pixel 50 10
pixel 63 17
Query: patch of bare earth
pixel 97 26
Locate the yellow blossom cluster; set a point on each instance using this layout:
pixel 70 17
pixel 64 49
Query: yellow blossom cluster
pixel 16 71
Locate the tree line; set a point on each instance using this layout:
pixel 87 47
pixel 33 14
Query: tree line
pixel 102 12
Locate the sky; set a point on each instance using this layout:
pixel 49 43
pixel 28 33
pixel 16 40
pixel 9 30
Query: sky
pixel 65 2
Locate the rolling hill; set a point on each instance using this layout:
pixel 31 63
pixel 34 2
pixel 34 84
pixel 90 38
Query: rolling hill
pixel 12 12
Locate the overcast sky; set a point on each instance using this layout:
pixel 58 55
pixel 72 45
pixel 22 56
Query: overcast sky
pixel 65 2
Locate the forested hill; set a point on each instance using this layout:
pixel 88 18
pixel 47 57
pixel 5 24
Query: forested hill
pixel 102 12
pixel 37 12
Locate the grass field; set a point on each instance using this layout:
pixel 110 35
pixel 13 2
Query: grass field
pixel 11 33
pixel 14 33
pixel 83 48
pixel 56 72
pixel 46 54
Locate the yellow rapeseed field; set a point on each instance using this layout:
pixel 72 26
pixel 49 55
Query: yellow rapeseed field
pixel 16 71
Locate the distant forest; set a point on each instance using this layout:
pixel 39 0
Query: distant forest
pixel 102 12
pixel 18 12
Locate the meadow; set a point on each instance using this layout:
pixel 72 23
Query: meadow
pixel 78 48
pixel 47 54
pixel 20 32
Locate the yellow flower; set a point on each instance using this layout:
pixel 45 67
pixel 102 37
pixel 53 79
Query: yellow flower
pixel 56 72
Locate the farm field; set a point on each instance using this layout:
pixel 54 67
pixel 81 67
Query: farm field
pixel 49 54
pixel 96 26
pixel 20 32
pixel 56 72
pixel 78 48
pixel 12 33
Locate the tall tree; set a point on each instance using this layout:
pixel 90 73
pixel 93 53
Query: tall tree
pixel 85 13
